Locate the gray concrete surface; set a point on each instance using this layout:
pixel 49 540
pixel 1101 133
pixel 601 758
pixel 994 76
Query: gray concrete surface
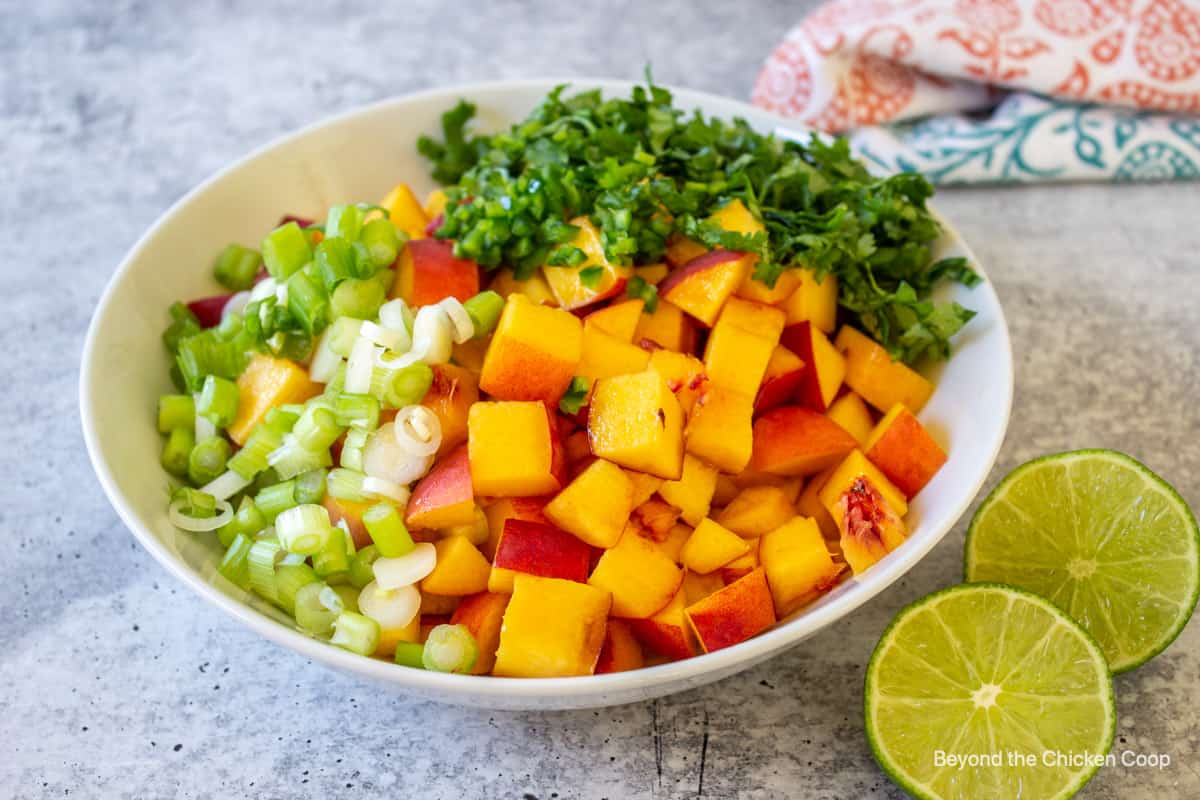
pixel 114 682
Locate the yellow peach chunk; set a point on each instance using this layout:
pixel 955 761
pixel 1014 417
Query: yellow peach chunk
pixel 636 422
pixel 640 577
pixel 692 493
pixel 552 628
pixel 596 505
pixel 511 450
pixel 460 569
pixel 265 383
pixel 711 547
pixel 798 566
pixel 719 429
pixel 757 510
pixel 533 354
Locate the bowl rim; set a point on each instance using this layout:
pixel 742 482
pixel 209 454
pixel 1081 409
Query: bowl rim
pixel 446 685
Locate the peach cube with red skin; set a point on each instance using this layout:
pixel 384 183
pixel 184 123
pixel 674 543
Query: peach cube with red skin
pixel 536 548
pixel 742 609
pixel 444 498
pixel 667 632
pixel 534 352
pixel 503 509
pixel 781 380
pixel 824 366
pixel 427 272
pixel 904 451
pixel 701 286
pixel 552 628
pixel 635 421
pixel 450 397
pixel 483 616
pixel 514 450
pixel 639 576
pixel 797 441
pixel 798 566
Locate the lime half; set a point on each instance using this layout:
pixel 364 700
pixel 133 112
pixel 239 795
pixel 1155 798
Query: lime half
pixel 1101 536
pixel 985 690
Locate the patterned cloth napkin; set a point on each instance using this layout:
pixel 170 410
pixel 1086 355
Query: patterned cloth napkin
pixel 978 91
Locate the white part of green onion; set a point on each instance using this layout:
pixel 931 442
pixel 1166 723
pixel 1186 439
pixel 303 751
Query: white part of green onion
pixel 303 529
pixel 387 338
pixel 236 304
pixel 464 326
pixel 281 294
pixel 394 610
pixel 432 335
pixel 418 431
pixel 379 487
pixel 385 361
pixel 331 600
pixel 205 429
pixel 262 290
pixel 358 368
pixel 325 361
pixel 356 633
pixel 384 458
pixel 226 485
pixel 396 314
pixel 405 570
pixel 199 524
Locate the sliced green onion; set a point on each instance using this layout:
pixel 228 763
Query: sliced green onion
pixel 313 614
pixel 317 428
pixel 450 648
pixel 218 401
pixel 176 450
pixel 484 309
pixel 289 578
pixel 410 654
pixel 292 458
pixel 364 265
pixel 342 334
pixel 272 500
pixel 355 633
pixel 433 335
pixel 285 250
pixel 195 503
pixel 334 557
pixel 352 448
pixel 334 261
pixel 303 529
pixel 236 267
pixel 262 558
pixel 247 521
pixel 307 303
pixel 281 419
pixel 348 595
pixel 358 410
pixel 207 459
pixel 310 486
pixel 409 385
pixel 387 530
pixel 357 298
pixel 252 458
pixel 344 221
pixel 379 235
pixel 175 411
pixel 361 566
pixel 405 570
pixel 183 325
pixel 234 566
pixel 205 354
pixel 396 314
pixel 346 484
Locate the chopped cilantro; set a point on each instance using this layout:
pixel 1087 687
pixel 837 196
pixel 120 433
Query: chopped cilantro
pixel 639 289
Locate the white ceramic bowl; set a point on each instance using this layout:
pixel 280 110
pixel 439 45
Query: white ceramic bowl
pixel 360 156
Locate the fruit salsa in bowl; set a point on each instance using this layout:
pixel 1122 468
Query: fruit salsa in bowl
pixel 530 396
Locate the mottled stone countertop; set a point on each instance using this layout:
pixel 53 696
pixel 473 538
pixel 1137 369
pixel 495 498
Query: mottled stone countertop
pixel 117 682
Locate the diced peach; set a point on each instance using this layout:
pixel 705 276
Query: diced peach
pixel 711 546
pixel 757 510
pixel 576 448
pixel 438 604
pixel 726 489
pixel 736 354
pixel 470 355
pixel 621 651
pixel 450 397
pixel 904 451
pixel 405 211
pixel 644 486
pixel 735 217
pixel 667 632
pixel 742 609
pixel 635 421
pixel 809 505
pixel 435 204
pixel 813 301
pixel 868 510
pixel 506 508
pixel 696 587
pixel 605 356
pixel 672 545
pixel 535 548
pixel 882 382
pixel 619 320
pixel 692 493
pixel 852 414
pixel 798 567
pixel 390 637
pixel 595 506
pixel 741 566
pixel 702 286
pixel 533 354
pixel 483 616
pixel 719 429
pixel 640 577
pixel 781 380
pixel 514 450
pixel 653 273
pixel 351 512
pixel 667 327
pixel 681 250
pixel 824 367
pixel 427 272
pixel 534 287
pixel 655 518
pixel 797 441
pixel 552 628
pixel 460 569
pixel 265 383
pixel 758 291
pixel 684 374
pixel 568 286
pixel 443 498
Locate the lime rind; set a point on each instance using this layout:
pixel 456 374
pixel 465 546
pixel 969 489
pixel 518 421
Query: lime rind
pixel 1026 724
pixel 1138 576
